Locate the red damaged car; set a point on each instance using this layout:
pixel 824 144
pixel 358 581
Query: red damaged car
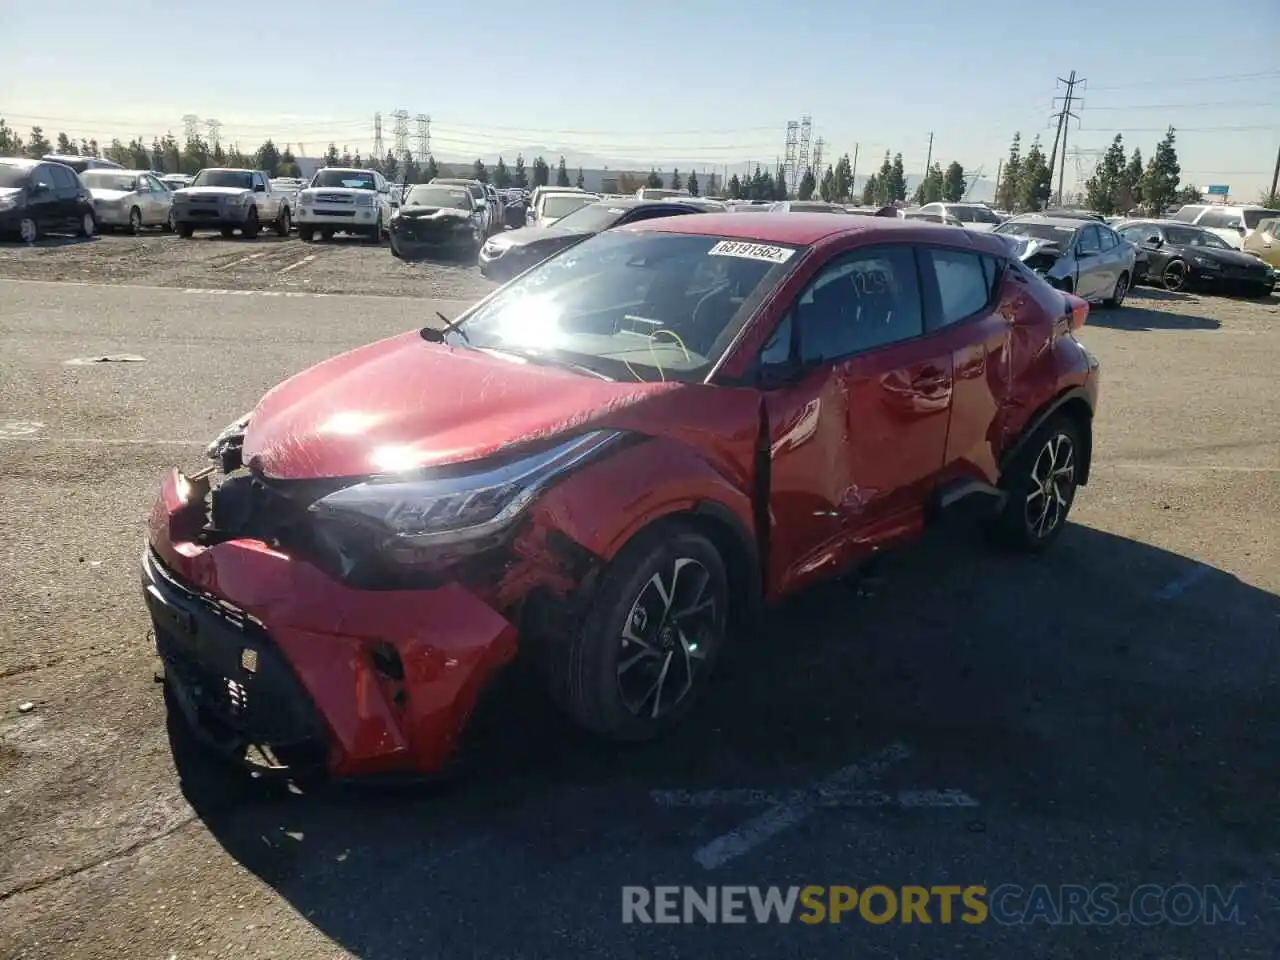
pixel 612 462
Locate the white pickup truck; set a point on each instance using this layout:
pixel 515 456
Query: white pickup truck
pixel 345 200
pixel 227 199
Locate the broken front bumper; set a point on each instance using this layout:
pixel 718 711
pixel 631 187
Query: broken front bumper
pixel 263 650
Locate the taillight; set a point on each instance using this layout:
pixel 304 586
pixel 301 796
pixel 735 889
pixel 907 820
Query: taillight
pixel 1078 309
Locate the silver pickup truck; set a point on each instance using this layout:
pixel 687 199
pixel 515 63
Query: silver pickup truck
pixel 228 200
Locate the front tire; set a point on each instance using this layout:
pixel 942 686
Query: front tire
pixel 306 234
pixel 88 226
pixel 135 222
pixel 1040 486
pixel 186 231
pixel 251 226
pixel 1174 276
pixel 284 222
pixel 650 637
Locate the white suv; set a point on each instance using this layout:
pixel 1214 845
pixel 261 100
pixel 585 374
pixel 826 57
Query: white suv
pixel 344 200
pixel 1232 224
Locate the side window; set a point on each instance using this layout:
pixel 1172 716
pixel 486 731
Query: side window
pixel 42 176
pixel 1109 240
pixel 654 214
pixel 964 284
pixel 1188 213
pixel 1135 234
pixel 931 208
pixel 777 349
pixel 860 301
pixel 259 181
pixel 64 178
pixel 1088 241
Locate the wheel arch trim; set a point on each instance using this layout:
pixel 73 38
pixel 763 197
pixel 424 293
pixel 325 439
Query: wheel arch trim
pixel 1075 399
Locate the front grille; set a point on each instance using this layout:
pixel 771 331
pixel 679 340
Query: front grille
pixel 335 198
pixel 428 231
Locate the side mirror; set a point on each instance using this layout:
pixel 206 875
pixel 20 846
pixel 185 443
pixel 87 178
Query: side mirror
pixel 37 189
pixel 1154 242
pixel 259 188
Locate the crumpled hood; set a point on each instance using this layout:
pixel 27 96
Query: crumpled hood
pixel 110 195
pixel 405 403
pixel 196 193
pixel 1024 247
pixel 415 212
pixel 1228 258
pixel 529 236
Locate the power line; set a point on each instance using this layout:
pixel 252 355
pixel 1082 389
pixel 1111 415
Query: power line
pixel 1177 129
pixel 1191 106
pixel 1221 78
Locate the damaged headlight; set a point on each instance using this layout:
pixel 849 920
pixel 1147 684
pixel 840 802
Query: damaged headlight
pixel 230 438
pixel 430 512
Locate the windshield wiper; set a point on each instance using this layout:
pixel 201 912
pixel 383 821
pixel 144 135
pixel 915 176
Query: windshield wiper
pixel 432 335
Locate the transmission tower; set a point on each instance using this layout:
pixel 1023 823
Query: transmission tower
pixel 1064 118
pixel 401 133
pixel 806 131
pixel 191 126
pixel 422 137
pixel 379 148
pixel 817 158
pixel 215 131
pixel 789 156
pixel 971 178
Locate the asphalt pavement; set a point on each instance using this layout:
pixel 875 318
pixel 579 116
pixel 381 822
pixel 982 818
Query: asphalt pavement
pixel 1104 714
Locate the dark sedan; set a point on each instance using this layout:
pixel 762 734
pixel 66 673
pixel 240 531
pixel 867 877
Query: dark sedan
pixel 438 219
pixel 1178 255
pixel 38 197
pixel 515 251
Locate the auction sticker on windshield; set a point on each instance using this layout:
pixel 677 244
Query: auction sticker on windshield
pixel 752 251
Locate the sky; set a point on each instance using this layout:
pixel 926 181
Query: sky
pixel 704 82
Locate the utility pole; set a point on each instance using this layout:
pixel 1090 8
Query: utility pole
pixel 999 170
pixel 853 172
pixel 1064 116
pixel 928 163
pixel 1275 179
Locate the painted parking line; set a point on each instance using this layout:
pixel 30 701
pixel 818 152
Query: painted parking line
pixel 848 785
pixel 294 266
pixel 236 263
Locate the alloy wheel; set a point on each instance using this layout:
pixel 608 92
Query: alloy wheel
pixel 1052 487
pixel 1174 276
pixel 671 628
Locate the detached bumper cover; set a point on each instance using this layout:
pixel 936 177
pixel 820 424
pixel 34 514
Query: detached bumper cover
pixel 375 682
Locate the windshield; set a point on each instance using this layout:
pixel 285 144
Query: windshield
pixel 1185 236
pixel 630 306
pixel 435 195
pixel 591 218
pixel 1036 231
pixel 348 179
pixel 237 179
pixel 109 180
pixel 1254 217
pixel 562 204
pixel 11 176
pixel 972 214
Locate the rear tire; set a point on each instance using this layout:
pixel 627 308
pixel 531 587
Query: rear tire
pixel 88 226
pixel 186 231
pixel 326 234
pixel 306 234
pixel 284 223
pixel 227 232
pixel 1174 276
pixel 656 623
pixel 29 230
pixel 1040 486
pixel 1116 299
pixel 135 222
pixel 376 236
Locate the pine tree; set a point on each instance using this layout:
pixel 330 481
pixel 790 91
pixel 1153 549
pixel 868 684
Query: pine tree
pixel 692 185
pixel 897 181
pixel 562 174
pixel 870 190
pixel 1102 189
pixel 954 184
pixel 676 182
pixel 520 178
pixel 734 188
pixel 478 171
pixel 391 166
pixel 807 185
pixel 501 175
pixel 843 188
pixel 541 172
pixel 65 146
pixel 331 156
pixel 653 181
pixel 581 181
pixel 827 190
pixel 1130 193
pixel 37 145
pixel 1160 181
pixel 1034 180
pixel 1007 188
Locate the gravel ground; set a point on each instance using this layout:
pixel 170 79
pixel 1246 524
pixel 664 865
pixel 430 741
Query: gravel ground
pixel 208 261
pixel 1110 709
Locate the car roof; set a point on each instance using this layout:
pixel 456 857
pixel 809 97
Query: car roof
pixel 18 162
pixel 338 169
pixel 803 229
pixel 1074 223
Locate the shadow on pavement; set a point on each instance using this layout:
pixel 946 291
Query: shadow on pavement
pixel 1108 689
pixel 1130 317
pixel 46 242
pixel 1157 293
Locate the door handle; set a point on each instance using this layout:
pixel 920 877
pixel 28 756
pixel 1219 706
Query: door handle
pixel 931 379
